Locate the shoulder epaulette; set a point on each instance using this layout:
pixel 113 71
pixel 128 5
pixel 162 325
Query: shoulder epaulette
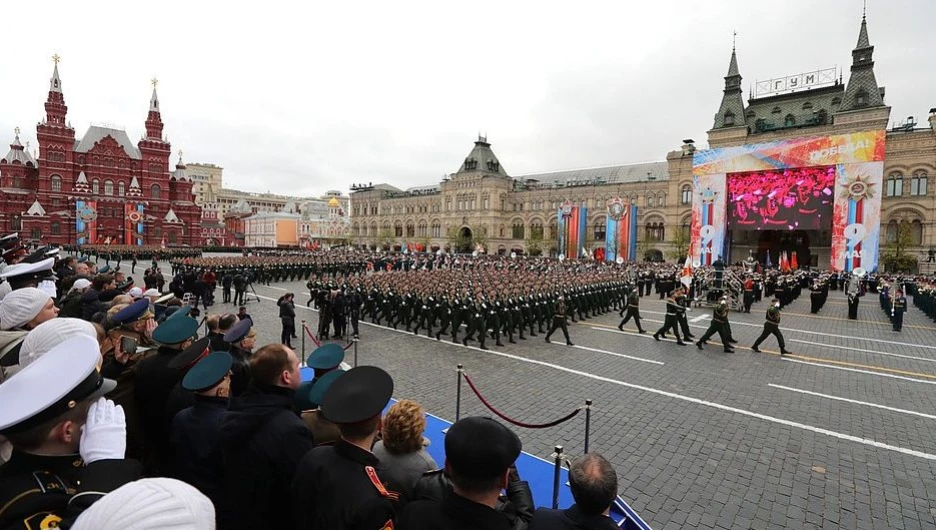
pixel 375 480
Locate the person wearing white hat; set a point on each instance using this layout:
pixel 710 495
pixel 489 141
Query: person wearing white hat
pixel 26 308
pixel 70 302
pixel 66 438
pixel 152 294
pixel 135 292
pixel 50 334
pixel 150 503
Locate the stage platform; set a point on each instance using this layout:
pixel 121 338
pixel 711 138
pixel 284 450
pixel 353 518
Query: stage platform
pixel 537 471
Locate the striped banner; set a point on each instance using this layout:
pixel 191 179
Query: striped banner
pixel 621 233
pixel 85 222
pixel 133 223
pixel 572 223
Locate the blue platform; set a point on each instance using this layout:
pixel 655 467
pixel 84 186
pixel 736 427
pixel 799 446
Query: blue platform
pixel 538 472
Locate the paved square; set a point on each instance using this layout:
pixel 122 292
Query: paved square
pixel 838 435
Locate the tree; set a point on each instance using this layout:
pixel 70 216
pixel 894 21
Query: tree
pixel 680 246
pixel 384 238
pixel 534 243
pixel 457 241
pixel 895 257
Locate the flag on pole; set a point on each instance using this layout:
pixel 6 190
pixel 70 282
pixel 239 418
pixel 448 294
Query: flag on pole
pixel 162 244
pixel 794 264
pixel 686 277
pixel 768 264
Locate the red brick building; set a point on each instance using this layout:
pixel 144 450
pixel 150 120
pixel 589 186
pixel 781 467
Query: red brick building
pixel 96 187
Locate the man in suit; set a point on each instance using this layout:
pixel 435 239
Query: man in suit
pixel 594 488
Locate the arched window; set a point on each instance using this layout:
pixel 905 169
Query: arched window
pixel 729 118
pixel 807 106
pixel 410 230
pixel 108 187
pixel 654 232
pixel 891 231
pixel 861 100
pixel 649 200
pixel 36 233
pixel 398 229
pixel 918 183
pixel 661 200
pixel 789 120
pixel 686 194
pixel 600 231
pixel 536 230
pixel 17 223
pixel 916 232
pixel 517 230
pixel 422 230
pixel 172 237
pixel 95 186
pixel 155 191
pixel 894 185
pixel 56 183
pixel 121 190
pixel 56 228
pixel 436 229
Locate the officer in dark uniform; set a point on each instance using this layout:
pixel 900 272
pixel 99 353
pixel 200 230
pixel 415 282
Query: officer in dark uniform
pixel 633 310
pixel 671 321
pixel 355 301
pixel 308 397
pixel 180 398
pixel 772 327
pixel 241 337
pixel 559 321
pixel 339 486
pixel 195 432
pixel 49 407
pixel 227 280
pixel 153 383
pixel 444 314
pixel 898 308
pixel 718 325
pixel 477 451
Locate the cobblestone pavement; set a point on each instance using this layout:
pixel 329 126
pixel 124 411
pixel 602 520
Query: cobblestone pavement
pixel 838 435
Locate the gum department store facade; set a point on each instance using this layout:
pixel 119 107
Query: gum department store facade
pixel 481 197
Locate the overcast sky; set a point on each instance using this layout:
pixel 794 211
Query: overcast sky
pixel 303 97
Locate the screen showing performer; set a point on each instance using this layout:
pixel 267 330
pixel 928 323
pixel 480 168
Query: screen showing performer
pixel 783 199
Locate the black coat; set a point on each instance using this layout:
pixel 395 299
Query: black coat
pixel 517 505
pixel 332 490
pixel 33 486
pixel 240 370
pixel 216 342
pixel 90 304
pixel 453 512
pixel 152 385
pixel 570 519
pixel 262 439
pixel 195 448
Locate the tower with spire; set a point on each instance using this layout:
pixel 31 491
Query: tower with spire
pixel 731 111
pixel 862 90
pixel 155 152
pixel 56 137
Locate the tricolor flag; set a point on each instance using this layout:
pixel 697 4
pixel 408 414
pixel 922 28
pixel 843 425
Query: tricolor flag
pixel 686 277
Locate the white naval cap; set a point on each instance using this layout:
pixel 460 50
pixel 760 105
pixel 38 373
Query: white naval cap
pixel 24 269
pixel 52 385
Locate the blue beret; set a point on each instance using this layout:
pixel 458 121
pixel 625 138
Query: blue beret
pixel 132 312
pixel 325 356
pixel 208 372
pixel 175 330
pixel 104 269
pixel 182 311
pixel 360 394
pixel 238 331
pixel 321 385
pixel 83 259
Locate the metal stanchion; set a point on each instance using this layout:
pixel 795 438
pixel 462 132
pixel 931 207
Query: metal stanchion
pixel 556 471
pixel 303 333
pixel 588 406
pixel 458 375
pixel 355 352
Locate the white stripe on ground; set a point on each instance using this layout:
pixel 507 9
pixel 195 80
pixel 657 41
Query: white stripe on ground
pixel 718 406
pixel 854 401
pixel 856 370
pixel 888 354
pixel 586 348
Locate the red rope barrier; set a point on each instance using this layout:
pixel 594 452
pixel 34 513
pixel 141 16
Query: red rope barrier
pixel 513 421
pixel 311 336
pixel 348 346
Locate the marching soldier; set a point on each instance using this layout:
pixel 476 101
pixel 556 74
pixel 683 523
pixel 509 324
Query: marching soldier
pixel 898 308
pixel 671 321
pixel 772 327
pixel 718 325
pixel 559 320
pixel 633 310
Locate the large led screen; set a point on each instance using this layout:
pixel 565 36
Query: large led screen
pixel 787 199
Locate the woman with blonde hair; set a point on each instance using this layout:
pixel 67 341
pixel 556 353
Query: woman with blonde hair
pixel 402 451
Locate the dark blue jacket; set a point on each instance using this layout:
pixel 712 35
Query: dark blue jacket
pixel 570 519
pixel 195 446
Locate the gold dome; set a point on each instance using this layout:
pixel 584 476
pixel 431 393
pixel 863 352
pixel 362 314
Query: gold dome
pixel 333 203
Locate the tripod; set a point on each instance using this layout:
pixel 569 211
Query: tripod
pixel 254 291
